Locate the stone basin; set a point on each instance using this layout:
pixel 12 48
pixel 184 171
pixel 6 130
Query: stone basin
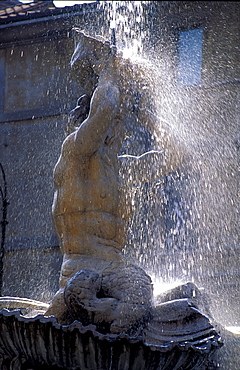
pixel 41 343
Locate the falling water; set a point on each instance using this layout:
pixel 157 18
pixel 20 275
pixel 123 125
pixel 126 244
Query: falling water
pixel 180 231
pixel 125 19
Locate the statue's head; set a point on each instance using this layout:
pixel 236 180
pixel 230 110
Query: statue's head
pixel 87 59
pixel 134 78
pixel 88 49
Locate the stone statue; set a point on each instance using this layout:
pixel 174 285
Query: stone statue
pixel 91 208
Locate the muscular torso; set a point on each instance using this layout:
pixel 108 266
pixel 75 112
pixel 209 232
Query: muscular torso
pixel 88 209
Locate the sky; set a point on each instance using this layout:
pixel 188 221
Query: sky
pixel 62 3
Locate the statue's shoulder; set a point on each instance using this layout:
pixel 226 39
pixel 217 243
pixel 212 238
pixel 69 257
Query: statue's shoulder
pixel 69 144
pixel 106 93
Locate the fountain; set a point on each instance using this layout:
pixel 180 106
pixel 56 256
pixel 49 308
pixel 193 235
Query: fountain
pixel 105 315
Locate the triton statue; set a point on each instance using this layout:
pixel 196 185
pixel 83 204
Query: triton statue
pixel 91 205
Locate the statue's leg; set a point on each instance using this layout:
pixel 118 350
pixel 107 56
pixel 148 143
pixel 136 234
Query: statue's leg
pixel 132 287
pixel 81 297
pixel 58 307
pixel 72 263
pixel 196 296
pixel 117 300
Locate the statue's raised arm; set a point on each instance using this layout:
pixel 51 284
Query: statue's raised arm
pixel 104 106
pixel 104 103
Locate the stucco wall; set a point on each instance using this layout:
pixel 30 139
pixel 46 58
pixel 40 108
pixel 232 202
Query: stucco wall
pixel 38 92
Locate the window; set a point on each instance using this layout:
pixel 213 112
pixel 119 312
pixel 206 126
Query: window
pixel 190 57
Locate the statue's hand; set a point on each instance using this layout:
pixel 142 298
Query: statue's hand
pixel 80 112
pixel 107 64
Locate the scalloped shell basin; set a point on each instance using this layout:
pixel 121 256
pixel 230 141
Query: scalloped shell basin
pixel 168 343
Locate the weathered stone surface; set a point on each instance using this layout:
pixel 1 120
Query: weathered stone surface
pixel 22 303
pixel 41 343
pixel 117 301
pixel 91 206
pixel 177 321
pixel 197 297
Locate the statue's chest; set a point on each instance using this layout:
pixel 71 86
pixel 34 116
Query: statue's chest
pixel 103 165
